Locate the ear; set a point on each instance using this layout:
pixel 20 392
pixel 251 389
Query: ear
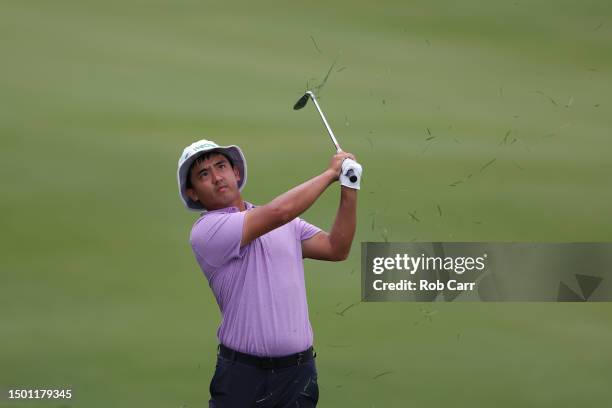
pixel 192 194
pixel 237 173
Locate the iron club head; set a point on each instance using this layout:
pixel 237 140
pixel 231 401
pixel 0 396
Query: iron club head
pixel 301 102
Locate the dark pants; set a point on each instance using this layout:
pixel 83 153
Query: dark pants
pixel 239 385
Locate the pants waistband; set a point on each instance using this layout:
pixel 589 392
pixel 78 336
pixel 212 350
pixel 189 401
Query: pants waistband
pixel 267 362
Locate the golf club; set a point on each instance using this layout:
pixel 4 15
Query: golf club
pixel 301 103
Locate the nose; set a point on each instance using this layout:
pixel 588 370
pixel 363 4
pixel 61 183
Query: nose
pixel 215 176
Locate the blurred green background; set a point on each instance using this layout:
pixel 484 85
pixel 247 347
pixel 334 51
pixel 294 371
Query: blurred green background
pixel 99 290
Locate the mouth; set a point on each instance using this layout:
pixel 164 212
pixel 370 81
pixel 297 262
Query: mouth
pixel 222 189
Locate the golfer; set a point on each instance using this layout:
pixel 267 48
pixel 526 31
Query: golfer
pixel 252 258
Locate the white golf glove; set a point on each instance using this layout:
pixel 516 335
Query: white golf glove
pixel 351 170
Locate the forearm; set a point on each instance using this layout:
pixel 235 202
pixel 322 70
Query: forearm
pixel 297 200
pixel 343 230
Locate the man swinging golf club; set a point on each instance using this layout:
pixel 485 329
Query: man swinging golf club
pixel 252 258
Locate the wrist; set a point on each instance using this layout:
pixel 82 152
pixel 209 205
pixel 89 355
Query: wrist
pixel 330 176
pixel 348 193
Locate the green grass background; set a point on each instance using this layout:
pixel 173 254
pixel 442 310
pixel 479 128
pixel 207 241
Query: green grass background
pixel 99 290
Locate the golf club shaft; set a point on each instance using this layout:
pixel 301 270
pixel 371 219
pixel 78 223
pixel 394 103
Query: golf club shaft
pixel 350 173
pixel 329 130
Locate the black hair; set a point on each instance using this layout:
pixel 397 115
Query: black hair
pixel 202 158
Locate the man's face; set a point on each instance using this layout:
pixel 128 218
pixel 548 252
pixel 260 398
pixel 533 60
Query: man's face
pixel 214 183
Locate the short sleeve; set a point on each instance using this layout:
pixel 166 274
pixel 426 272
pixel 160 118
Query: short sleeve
pixel 306 230
pixel 216 237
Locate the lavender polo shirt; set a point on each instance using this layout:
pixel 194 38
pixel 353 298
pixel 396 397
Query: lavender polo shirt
pixel 259 287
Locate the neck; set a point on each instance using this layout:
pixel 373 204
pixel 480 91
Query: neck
pixel 239 203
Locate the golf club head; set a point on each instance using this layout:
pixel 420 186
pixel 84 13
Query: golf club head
pixel 301 102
